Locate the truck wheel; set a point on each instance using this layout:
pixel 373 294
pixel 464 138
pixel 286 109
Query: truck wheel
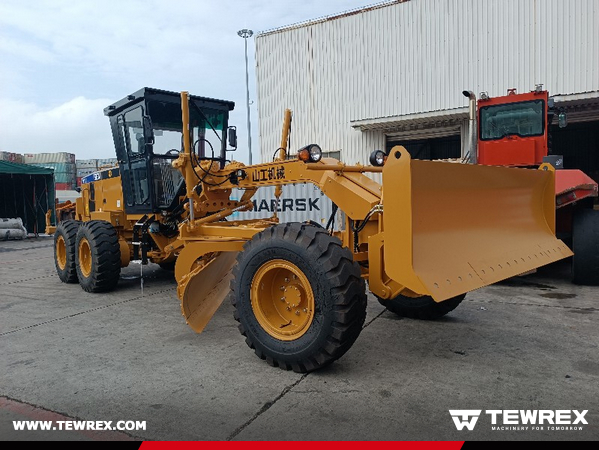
pixel 98 256
pixel 585 245
pixel 298 296
pixel 168 266
pixel 65 238
pixel 423 308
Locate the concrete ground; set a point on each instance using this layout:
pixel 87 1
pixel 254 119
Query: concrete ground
pixel 530 343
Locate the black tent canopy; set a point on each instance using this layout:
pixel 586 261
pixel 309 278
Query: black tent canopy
pixel 26 192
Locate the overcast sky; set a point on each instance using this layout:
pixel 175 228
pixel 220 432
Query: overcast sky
pixel 63 61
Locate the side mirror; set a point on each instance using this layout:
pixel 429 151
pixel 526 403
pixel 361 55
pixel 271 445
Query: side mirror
pixel 78 189
pixel 148 130
pixel 562 119
pixel 232 138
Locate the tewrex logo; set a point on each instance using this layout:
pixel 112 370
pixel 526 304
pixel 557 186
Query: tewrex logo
pixel 465 418
pixel 513 419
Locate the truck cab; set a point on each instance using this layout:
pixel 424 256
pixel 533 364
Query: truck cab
pixel 513 129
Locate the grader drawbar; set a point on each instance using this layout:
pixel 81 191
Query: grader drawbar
pixel 432 231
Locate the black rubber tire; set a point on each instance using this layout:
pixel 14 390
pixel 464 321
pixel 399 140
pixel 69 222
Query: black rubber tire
pixel 68 231
pixel 168 266
pixel 585 245
pixel 105 256
pixel 339 294
pixel 422 308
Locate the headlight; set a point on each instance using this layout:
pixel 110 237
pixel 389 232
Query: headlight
pixel 378 158
pixel 310 153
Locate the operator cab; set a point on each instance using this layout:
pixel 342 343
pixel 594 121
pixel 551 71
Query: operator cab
pixel 513 129
pixel 148 135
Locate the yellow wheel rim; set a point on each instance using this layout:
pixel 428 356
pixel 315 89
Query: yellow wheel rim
pixel 282 300
pixel 85 257
pixel 61 252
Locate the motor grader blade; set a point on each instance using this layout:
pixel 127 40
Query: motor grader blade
pixel 450 228
pixel 203 290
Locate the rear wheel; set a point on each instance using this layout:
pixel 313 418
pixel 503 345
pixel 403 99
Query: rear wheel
pixel 98 256
pixel 423 308
pixel 585 245
pixel 65 238
pixel 298 296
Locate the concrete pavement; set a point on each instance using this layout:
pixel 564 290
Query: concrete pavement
pixel 530 343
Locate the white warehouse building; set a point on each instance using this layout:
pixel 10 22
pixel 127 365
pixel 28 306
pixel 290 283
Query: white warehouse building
pixel 393 73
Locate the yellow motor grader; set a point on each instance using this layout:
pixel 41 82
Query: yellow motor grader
pixel 432 231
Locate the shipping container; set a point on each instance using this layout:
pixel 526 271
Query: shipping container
pixel 86 163
pixel 82 172
pixel 60 157
pixel 107 162
pixel 11 157
pixel 63 186
pixel 63 172
pixel 57 166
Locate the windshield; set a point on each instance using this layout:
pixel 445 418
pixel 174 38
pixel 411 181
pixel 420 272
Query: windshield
pixel 522 119
pixel 206 126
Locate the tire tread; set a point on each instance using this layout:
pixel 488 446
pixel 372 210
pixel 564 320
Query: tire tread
pixel 347 288
pixel 106 256
pixel 426 309
pixel 68 230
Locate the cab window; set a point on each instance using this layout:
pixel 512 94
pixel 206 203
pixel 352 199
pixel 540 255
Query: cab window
pixel 136 144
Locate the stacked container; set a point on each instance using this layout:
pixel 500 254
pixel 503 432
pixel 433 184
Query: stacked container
pixel 107 162
pixel 11 157
pixel 86 167
pixel 63 164
pixel 41 158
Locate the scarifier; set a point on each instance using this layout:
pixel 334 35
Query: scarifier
pixel 431 232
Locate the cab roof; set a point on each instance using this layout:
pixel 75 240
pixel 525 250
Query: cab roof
pixel 159 94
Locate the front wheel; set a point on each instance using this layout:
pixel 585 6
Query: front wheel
pixel 298 296
pixel 423 308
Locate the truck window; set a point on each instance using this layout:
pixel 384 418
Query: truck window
pixel 522 119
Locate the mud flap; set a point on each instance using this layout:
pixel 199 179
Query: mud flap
pixel 450 228
pixel 205 288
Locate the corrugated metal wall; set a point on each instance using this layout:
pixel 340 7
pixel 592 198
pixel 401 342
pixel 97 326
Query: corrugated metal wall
pixel 416 56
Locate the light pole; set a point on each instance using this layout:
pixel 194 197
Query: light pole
pixel 245 34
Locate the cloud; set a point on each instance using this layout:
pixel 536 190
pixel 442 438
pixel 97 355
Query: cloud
pixel 77 126
pixel 20 48
pixel 61 60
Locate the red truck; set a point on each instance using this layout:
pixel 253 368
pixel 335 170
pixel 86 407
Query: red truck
pixel 514 130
